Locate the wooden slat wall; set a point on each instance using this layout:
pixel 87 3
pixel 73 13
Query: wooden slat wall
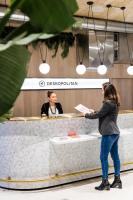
pixel 125 88
pixel 29 103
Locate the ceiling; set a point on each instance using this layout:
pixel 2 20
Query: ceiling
pixel 100 10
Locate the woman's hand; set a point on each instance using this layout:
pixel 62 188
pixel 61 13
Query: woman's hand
pixel 91 111
pixel 82 114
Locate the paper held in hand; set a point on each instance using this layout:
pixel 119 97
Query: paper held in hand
pixel 83 109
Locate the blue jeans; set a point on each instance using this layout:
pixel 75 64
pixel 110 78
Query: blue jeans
pixel 109 144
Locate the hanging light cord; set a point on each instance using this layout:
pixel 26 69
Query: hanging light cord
pixel 106 25
pixel 43 60
pixel 77 48
pixel 46 53
pixel 81 60
pixel 129 55
pixel 87 31
pixel 96 35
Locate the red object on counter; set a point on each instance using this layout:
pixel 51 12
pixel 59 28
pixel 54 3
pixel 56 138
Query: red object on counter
pixel 72 133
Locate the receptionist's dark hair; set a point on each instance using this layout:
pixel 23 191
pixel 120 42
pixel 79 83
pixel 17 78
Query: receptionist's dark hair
pixel 49 93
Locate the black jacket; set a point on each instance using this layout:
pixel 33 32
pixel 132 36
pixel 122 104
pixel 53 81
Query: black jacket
pixel 45 108
pixel 107 118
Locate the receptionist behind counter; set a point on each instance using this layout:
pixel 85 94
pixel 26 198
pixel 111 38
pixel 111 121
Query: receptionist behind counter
pixel 52 107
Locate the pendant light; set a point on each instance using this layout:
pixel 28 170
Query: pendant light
pixel 44 67
pixel 102 69
pixel 81 68
pixel 130 68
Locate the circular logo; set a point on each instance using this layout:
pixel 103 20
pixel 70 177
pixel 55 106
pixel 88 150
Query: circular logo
pixel 42 83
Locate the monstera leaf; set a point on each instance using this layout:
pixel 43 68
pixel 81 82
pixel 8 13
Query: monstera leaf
pixel 13 62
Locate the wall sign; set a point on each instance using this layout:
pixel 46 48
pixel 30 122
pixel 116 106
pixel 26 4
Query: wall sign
pixel 61 83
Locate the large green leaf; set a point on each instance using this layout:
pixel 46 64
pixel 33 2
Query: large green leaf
pixel 13 7
pixel 49 16
pixel 46 18
pixel 13 63
pixel 26 40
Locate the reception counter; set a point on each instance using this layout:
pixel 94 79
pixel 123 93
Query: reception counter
pixel 38 153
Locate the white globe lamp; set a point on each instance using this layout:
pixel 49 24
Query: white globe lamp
pixel 130 70
pixel 102 69
pixel 80 69
pixel 44 68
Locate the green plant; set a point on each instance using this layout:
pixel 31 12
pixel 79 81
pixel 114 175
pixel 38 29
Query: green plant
pixel 65 40
pixel 6 116
pixel 47 18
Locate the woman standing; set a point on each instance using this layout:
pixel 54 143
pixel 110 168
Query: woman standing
pixel 110 135
pixel 51 108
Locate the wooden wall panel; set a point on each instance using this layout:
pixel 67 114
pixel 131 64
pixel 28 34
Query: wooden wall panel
pixel 33 101
pixel 125 89
pixel 29 103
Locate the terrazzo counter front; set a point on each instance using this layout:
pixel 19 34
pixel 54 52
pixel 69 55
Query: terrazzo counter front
pixel 39 153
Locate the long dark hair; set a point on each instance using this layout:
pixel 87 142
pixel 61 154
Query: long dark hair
pixel 49 93
pixel 110 93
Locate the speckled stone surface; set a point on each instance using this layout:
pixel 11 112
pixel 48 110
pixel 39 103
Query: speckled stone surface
pixel 35 154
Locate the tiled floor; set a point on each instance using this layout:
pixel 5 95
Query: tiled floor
pixel 83 190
